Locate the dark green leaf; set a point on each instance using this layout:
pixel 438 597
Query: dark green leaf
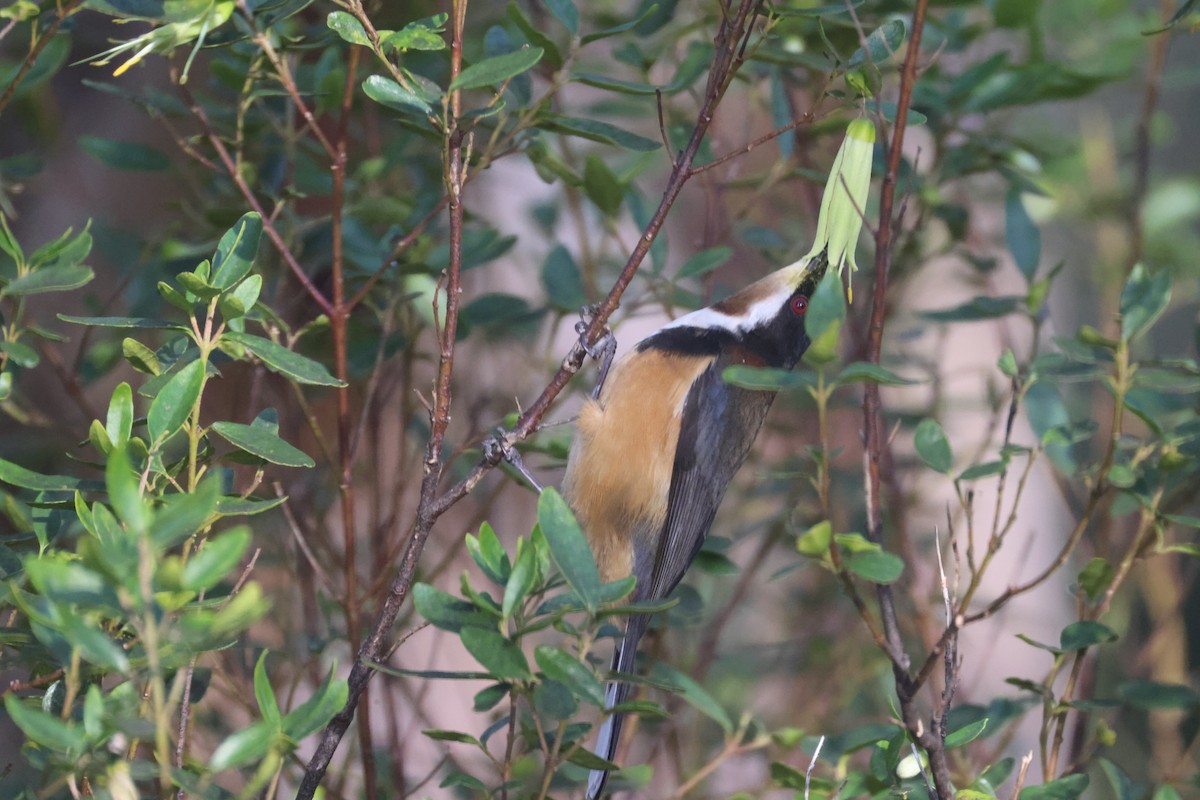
pixel 976 309
pixel 182 515
pixel 984 470
pixel 1079 635
pixel 965 734
pixel 932 446
pixel 140 357
pixel 44 729
pixel 451 736
pixel 20 354
pixel 865 372
pixel 569 547
pixel 536 38
pixel 126 156
pixel 1024 239
pixel 602 81
pixel 174 402
pixel 1181 13
pixel 290 364
pixel 500 656
pixel 765 378
pixel 597 131
pixel 236 251
pixel 1143 301
pixel 704 262
pixel 387 92
pixel 585 758
pixel 1068 788
pixel 647 9
pixel 601 186
pixel 123 322
pixel 123 492
pixel 695 695
pixel 563 281
pixel 494 71
pixel 572 673
pixel 262 443
pixel 1016 13
pixel 881 45
pixel 552 699
pixel 1153 696
pixel 565 12
pixel 421 34
pixel 58 278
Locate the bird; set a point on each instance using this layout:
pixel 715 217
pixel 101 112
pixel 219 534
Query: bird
pixel 658 443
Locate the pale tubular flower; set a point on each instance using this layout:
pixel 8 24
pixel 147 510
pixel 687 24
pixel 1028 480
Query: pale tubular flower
pixel 845 199
pixel 189 21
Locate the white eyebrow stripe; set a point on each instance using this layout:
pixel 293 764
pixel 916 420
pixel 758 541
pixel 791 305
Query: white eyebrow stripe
pixel 758 313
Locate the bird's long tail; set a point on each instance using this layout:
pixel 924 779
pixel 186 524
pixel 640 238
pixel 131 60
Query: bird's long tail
pixel 624 660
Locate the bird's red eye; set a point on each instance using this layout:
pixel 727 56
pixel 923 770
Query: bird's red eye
pixel 799 304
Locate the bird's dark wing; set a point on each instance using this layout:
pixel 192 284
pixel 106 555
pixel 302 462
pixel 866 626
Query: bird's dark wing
pixel 720 422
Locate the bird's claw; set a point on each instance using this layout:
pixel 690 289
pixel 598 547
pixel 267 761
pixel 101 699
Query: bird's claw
pixel 497 448
pixel 602 351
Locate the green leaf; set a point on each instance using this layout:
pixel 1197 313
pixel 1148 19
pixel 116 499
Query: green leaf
pixel 300 369
pixel 815 541
pixel 1068 788
pixel 244 747
pixel 601 186
pixel 585 758
pixel 140 357
pixel 1154 696
pixel 521 580
pixel 1181 13
pixel 446 611
pixel 965 734
pixel 555 701
pixel 119 425
pixel 125 156
pixel 704 262
pixel 500 656
pixel 489 554
pixel 174 402
pixel 124 494
pixel 421 34
pixel 20 354
pixel 866 372
pixel 1095 578
pixel 1083 634
pixel 123 322
pixel 1143 300
pixel 977 308
pixel 496 70
pixel 182 515
pixel 387 92
pixel 876 566
pixel 565 12
pixel 768 379
pixel 597 131
pixel 16 475
pixel 264 695
pixel 569 547
pixel 1008 363
pixel 602 81
pixel 881 45
pixel 44 729
pixel 317 710
pixel 236 251
pixel 563 281
pixel 260 442
pixel 693 693
pixel 1024 239
pixel 932 446
pixel 984 470
pixel 348 27
pixel 59 278
pixel 451 736
pixel 197 285
pixel 570 672
pixel 213 562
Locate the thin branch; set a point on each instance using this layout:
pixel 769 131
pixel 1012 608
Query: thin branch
pixel 61 15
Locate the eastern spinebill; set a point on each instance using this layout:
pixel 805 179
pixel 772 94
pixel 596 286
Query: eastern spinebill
pixel 657 447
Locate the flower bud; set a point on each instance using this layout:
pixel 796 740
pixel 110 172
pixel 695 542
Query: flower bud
pixel 845 199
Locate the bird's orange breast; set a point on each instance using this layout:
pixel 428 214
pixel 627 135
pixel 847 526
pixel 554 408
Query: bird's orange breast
pixel 619 473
